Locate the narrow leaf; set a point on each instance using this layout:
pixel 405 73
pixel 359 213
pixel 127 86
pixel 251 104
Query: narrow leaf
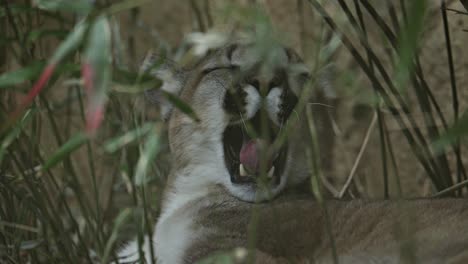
pixel 76 6
pixel 151 148
pixel 122 218
pixel 69 44
pixel 114 144
pixel 181 105
pixel 31 72
pixel 38 86
pixel 30 244
pixel 96 71
pixel 458 131
pixel 409 40
pixel 66 149
pixel 21 227
pixel 8 139
pixel 134 82
pixel 27 73
pixel 45 76
pixel 72 41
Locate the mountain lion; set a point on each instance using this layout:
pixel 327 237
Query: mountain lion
pixel 236 185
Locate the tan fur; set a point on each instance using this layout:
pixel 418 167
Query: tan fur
pixel 202 214
pixel 294 228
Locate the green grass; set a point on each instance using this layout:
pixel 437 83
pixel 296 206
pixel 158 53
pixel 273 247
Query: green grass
pixel 83 161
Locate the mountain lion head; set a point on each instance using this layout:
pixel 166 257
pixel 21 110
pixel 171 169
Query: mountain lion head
pixel 244 98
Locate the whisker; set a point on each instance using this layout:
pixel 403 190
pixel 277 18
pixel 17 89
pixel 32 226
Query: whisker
pixel 243 123
pixel 281 126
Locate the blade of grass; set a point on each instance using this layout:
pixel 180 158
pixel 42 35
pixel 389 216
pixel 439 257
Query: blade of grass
pixel 20 226
pixel 66 149
pixel 453 82
pixel 96 72
pixel 408 41
pixel 198 15
pixel 112 145
pixel 207 10
pixel 14 133
pixel 48 214
pixel 359 156
pixel 419 70
pixel 181 105
pixel 120 221
pixel 152 145
pixel 30 72
pixel 41 198
pixel 81 7
pixel 73 180
pixel 407 53
pixel 312 152
pixel 68 45
pixel 92 167
pixel 451 189
pixel 420 149
pixel 15 27
pixel 453 134
pixel 383 139
pixel 425 96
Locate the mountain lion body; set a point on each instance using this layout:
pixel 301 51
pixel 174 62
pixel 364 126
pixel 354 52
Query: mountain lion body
pixel 233 188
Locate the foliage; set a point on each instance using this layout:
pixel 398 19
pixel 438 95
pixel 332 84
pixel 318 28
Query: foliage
pixel 54 209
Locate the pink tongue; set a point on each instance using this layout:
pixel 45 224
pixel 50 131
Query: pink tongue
pixel 250 155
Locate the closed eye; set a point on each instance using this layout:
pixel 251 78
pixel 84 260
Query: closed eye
pixel 211 69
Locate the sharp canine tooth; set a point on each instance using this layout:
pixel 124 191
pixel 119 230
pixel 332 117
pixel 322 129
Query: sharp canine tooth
pixel 271 171
pixel 242 171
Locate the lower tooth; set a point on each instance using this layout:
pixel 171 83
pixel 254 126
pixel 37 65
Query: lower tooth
pixel 271 171
pixel 242 171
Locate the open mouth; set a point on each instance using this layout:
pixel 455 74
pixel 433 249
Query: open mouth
pixel 250 159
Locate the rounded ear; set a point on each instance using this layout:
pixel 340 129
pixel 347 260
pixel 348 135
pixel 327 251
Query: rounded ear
pixel 172 79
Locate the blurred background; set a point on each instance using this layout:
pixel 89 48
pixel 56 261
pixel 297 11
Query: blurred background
pixel 83 155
